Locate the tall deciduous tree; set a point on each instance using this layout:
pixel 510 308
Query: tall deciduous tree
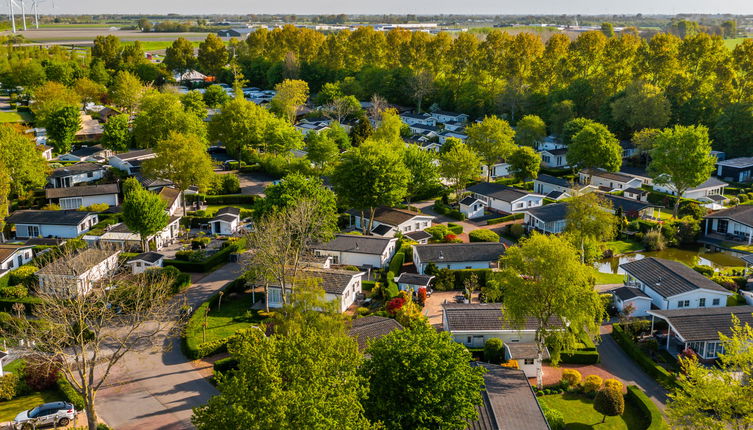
pixel 370 176
pixel 291 94
pixel 681 159
pixel 160 114
pixel 89 91
pixel 280 137
pixel 424 174
pixel 643 106
pixel 240 124
pixel 731 132
pixel 590 220
pixel 543 277
pixel 193 102
pixel 459 166
pixel 215 96
pixel 530 131
pixel 430 365
pixel 126 91
pixel 182 159
pixel 62 126
pixel 179 56
pixel 117 134
pixel 144 213
pixel 595 146
pixel 4 197
pixel 50 97
pixel 294 188
pixel 23 162
pixel 321 149
pixel 492 139
pixel 525 163
pixel 213 55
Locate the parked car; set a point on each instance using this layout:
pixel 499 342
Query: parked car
pixel 48 414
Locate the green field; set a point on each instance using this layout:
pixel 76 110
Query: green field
pixel 15 117
pixel 579 414
pixel 609 278
pixel 156 45
pixel 731 43
pixel 101 25
pixel 622 246
pixel 234 314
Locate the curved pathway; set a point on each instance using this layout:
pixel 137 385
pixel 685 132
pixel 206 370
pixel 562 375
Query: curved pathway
pixel 158 390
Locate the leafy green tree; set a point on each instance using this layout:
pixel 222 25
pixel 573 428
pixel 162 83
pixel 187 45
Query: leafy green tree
pixel 430 365
pixel 239 124
pixel 215 96
pixel 107 49
pixel 290 95
pixel 212 55
pixel 643 106
pixel 607 28
pixel 361 131
pixel 280 137
pixel 492 139
pixel 321 149
pixel 450 143
pixel 129 185
pixel 561 113
pixel 22 163
pixel 525 163
pixel 573 127
pixel 681 159
pixel 5 182
pixel 368 177
pixel 388 129
pixel 193 102
pixel 62 126
pixel 126 90
pixel 423 170
pixel 609 402
pixel 294 188
pixel 343 107
pixel 644 139
pixel 144 213
pixel 543 277
pixel 338 134
pixel 179 56
pixel 595 146
pixel 530 130
pixel 459 166
pixel 117 134
pixel 182 159
pixel 590 220
pixel 161 113
pixel 494 349
pixel 50 97
pixel 716 397
pixel 89 91
pixel 731 132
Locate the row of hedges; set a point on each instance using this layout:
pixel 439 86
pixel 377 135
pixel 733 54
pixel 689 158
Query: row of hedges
pixel 445 277
pixel 455 228
pixel 225 364
pixel 512 217
pixel 70 393
pixel 220 257
pixel 662 376
pixel 192 346
pixel 396 264
pixel 446 210
pixel 6 303
pixel 580 356
pixel 223 199
pixel 650 412
pixel 483 235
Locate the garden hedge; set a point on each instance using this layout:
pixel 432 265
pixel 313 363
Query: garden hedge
pixel 396 264
pixel 650 412
pixel 505 219
pixel 70 393
pixel 224 199
pixel 483 235
pixel 580 357
pixel 662 376
pixel 225 364
pixel 220 257
pixel 6 303
pixel 454 228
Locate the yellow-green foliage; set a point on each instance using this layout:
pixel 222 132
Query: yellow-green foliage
pixel 592 383
pixel 572 377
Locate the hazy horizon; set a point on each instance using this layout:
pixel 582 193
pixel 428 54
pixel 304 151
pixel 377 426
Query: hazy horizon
pixel 422 7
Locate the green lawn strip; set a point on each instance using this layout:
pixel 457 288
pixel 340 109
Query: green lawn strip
pixel 15 117
pixel 579 414
pixel 226 321
pixel 10 408
pixel 622 246
pixel 211 209
pixel 609 278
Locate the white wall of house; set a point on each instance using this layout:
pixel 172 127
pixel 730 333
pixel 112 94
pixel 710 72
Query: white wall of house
pixel 359 259
pixel 84 282
pixel 224 227
pixel 417 223
pixel 473 211
pixel 641 305
pixel 555 227
pixel 140 266
pixel 77 202
pixel 611 183
pixel 452 265
pixel 691 300
pixel 80 178
pixel 553 161
pixel 19 257
pixel 476 339
pixel 519 205
pixel 693 194
pixel 546 188
pixel 728 226
pixel 63 231
pixel 498 170
pixel 344 300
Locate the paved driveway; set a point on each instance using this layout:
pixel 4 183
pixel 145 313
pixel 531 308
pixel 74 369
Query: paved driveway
pixel 254 183
pixel 433 307
pixel 158 390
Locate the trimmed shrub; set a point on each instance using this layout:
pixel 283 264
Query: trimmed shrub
pixel 571 377
pixel 396 264
pixel 15 292
pixel 609 402
pixel 517 231
pixel 494 350
pixel 483 235
pixel 70 393
pixel 505 219
pixel 220 257
pixel 613 384
pixel 592 383
pixel 554 418
pixel 650 412
pixel 580 357
pixel 455 228
pixel 23 275
pixel 225 364
pixel 707 271
pixel 438 232
pixel 8 384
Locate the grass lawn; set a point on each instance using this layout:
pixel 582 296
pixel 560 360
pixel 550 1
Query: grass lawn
pixel 623 246
pixel 9 409
pixel 579 413
pixel 231 317
pixel 731 43
pixel 15 117
pixel 609 278
pixel 737 246
pixel 211 209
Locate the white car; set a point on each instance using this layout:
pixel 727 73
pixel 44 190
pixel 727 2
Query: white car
pixel 48 414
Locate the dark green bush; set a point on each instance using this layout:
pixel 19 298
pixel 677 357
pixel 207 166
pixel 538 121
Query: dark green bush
pixel 207 264
pixel 225 364
pixel 505 219
pixel 23 275
pixel 455 228
pixel 651 413
pixel 707 271
pixel 70 393
pixel 396 264
pixel 494 351
pixel 14 292
pixel 579 357
pixel 554 418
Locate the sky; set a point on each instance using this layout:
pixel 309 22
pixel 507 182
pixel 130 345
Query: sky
pixel 492 7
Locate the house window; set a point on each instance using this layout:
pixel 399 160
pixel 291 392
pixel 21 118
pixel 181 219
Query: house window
pixel 715 302
pixel 702 302
pixel 468 267
pixel 528 361
pixel 468 341
pixel 722 225
pixel 90 174
pixel 545 158
pixel 683 304
pixel 275 295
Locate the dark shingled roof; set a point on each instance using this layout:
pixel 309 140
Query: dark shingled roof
pixel 77 264
pixel 86 151
pixel 391 216
pixel 558 151
pixel 469 201
pixel 742 214
pixel 509 402
pixel 72 217
pixel 333 281
pixel 711 182
pixel 81 191
pixel 627 293
pixel 225 217
pixel 381 230
pixel 549 213
pixel 554 195
pixel 669 278
pixel 705 323
pixel 523 350
pixel 614 176
pixel 738 163
pixel 628 205
pixel 229 210
pixel 483 316
pixel 151 257
pixel 748 258
pixel 414 279
pixel 135 154
pixel 372 327
pixel 549 179
pixel 417 235
pixel 75 169
pixel 636 191
pixel 497 191
pixel 356 243
pixel 454 252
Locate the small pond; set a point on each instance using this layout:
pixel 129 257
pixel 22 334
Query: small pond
pixel 688 256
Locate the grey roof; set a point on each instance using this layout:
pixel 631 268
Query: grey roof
pixel 86 151
pixel 549 213
pixel 229 210
pixel 150 257
pixel 554 195
pixel 80 191
pixel 135 154
pixel 523 350
pixel 717 198
pixel 741 213
pixel 497 191
pixel 456 252
pixel 669 278
pixel 748 258
pixel 711 182
pixel 333 281
pixel 391 216
pixel 509 402
pixel 549 179
pixel 705 323
pixel 627 293
pixel 381 229
pixel 417 235
pixel 613 176
pixel 737 163
pixel 483 317
pixel 557 151
pixel 628 205
pixel 468 201
pixel 372 327
pixel 447 113
pixel 225 217
pixel 153 182
pixel 634 171
pixel 414 279
pixel 75 169
pixel 635 191
pixel 77 264
pixel 356 244
pixel 71 217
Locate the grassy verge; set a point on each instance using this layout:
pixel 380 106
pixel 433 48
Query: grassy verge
pixel 15 117
pixel 622 246
pixel 9 409
pixel 233 314
pixel 579 413
pixel 609 278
